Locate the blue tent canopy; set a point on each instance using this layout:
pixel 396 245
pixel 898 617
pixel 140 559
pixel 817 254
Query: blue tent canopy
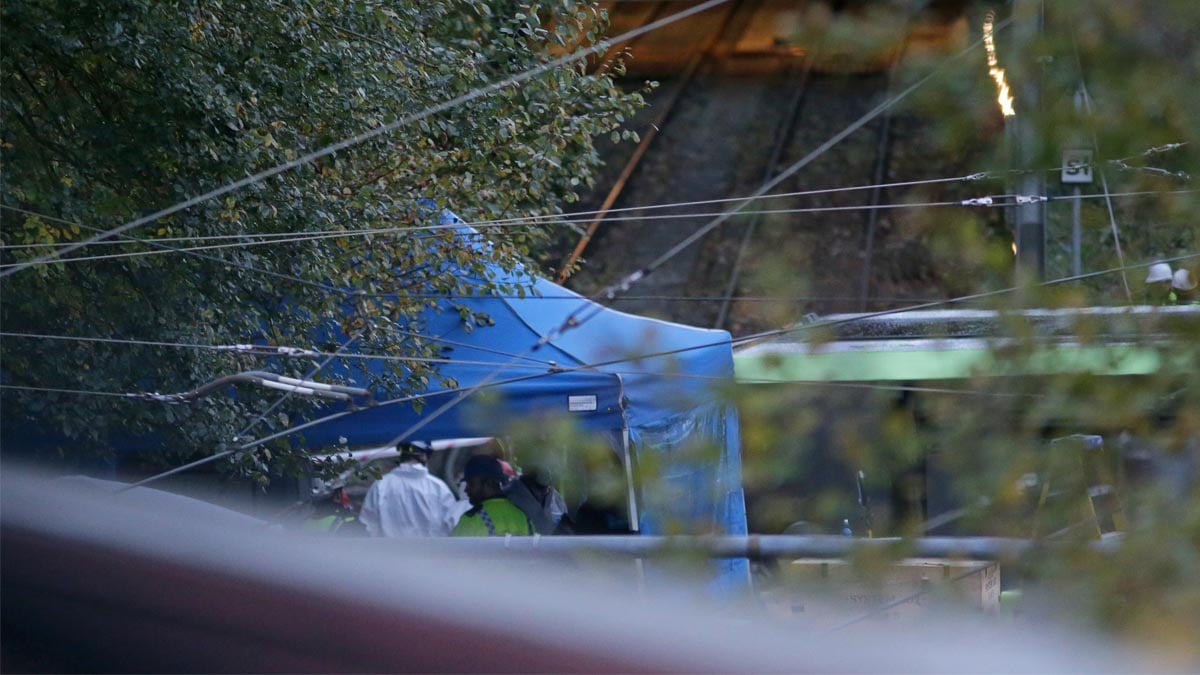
pixel 651 384
pixel 612 371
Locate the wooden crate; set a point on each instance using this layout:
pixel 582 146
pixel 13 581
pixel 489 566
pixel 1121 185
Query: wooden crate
pixel 826 593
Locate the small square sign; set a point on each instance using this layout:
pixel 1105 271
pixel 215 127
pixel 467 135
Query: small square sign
pixel 581 403
pixel 1077 166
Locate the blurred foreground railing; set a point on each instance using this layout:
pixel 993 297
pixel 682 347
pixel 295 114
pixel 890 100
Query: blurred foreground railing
pixel 764 546
pixel 146 581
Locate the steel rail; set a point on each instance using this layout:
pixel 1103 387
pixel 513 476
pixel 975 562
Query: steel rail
pixel 783 136
pixel 882 157
pixel 648 136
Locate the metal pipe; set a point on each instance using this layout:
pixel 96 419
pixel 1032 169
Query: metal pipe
pixel 753 546
pixel 1077 262
pixel 263 378
pixel 1030 217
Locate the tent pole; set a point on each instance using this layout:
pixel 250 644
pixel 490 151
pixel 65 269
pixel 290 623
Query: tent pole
pixel 634 520
pixel 639 566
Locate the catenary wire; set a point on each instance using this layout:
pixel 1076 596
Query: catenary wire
pixel 1112 218
pixel 245 430
pixel 368 135
pixel 276 351
pixel 272 351
pixel 194 254
pixel 494 381
pixel 301 237
pixel 994 201
pixel 677 376
pixel 988 201
pixel 571 218
pixel 584 216
pixel 58 390
pixel 356 233
pixel 287 277
pixel 578 317
pixel 493 377
pixel 564 218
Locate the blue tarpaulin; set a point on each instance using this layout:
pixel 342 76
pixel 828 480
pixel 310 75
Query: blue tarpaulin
pixel 653 382
pixel 650 386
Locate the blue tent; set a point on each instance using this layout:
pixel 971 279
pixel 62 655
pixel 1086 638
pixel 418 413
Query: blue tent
pixel 650 385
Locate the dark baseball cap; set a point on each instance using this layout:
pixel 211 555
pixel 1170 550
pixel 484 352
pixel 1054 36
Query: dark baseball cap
pixel 483 465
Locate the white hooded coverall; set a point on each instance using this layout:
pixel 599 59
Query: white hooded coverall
pixel 409 502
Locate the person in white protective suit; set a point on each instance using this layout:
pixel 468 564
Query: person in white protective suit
pixel 410 502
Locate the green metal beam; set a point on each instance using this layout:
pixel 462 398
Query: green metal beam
pixel 945 360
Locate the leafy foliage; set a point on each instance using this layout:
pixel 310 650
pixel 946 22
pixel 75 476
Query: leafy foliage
pixel 980 448
pixel 113 110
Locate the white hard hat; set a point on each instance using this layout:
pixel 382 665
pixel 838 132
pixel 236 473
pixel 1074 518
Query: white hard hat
pixel 1159 272
pixel 1183 280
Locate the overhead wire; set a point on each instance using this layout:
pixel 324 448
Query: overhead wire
pixel 579 316
pixel 127 241
pixel 955 300
pixel 357 233
pixel 989 201
pixel 1112 218
pixel 733 341
pixel 330 149
pixel 246 429
pixel 366 135
pixel 58 390
pixel 273 351
pixel 625 284
pixel 493 378
pixel 143 397
pixel 349 292
pixel 998 201
pixel 441 339
pixel 194 254
pixel 669 375
pixel 584 216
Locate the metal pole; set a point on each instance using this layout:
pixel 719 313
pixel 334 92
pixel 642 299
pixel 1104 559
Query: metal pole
pixel 1030 218
pixel 1076 236
pixel 630 485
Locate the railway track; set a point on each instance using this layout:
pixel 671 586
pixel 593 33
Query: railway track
pixel 725 126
